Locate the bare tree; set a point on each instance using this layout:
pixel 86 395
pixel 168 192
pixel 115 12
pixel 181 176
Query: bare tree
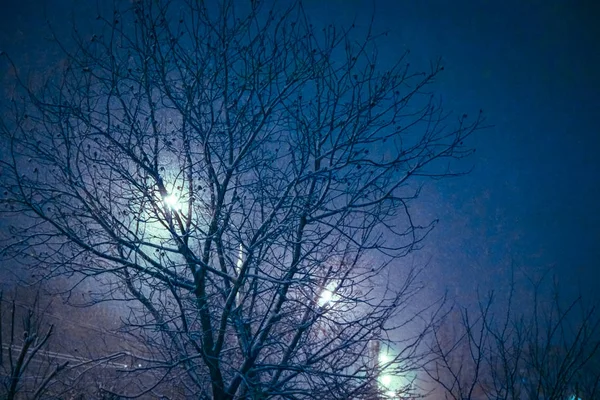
pixel 458 344
pixel 241 181
pixel 27 369
pixel 547 349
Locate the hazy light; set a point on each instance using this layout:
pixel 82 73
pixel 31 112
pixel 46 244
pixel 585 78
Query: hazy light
pixel 386 380
pixel 328 296
pixel 385 358
pixel 240 261
pixel 172 202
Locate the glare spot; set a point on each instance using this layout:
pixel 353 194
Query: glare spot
pixel 328 295
pixel 172 202
pixel 385 358
pixel 386 380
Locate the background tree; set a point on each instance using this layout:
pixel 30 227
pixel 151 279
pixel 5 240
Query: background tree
pixel 459 345
pixel 27 368
pixel 545 349
pixel 45 354
pixel 241 180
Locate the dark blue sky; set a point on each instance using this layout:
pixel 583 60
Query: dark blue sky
pixel 534 68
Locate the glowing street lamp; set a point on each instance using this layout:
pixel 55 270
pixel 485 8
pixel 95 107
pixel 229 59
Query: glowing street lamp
pixel 172 202
pixel 328 295
pixel 385 380
pixel 385 358
pixel 389 382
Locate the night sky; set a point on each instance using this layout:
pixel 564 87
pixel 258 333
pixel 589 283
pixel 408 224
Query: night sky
pixel 532 66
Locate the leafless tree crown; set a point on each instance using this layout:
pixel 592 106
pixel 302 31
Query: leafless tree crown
pixel 225 169
pixel 544 349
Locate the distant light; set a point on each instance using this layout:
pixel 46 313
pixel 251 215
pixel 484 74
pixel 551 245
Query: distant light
pixel 328 296
pixel 385 358
pixel 386 380
pixel 240 261
pixel 172 202
pixel 325 298
pixel 139 365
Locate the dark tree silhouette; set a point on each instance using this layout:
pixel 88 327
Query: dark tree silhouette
pixel 242 181
pixel 27 368
pixel 540 349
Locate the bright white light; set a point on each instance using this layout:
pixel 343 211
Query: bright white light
pixel 240 261
pixel 325 298
pixel 328 296
pixel 386 380
pixel 172 202
pixel 385 358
